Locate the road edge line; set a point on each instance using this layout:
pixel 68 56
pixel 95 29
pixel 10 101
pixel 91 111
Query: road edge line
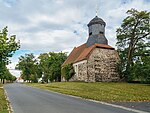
pixel 118 106
pixel 10 109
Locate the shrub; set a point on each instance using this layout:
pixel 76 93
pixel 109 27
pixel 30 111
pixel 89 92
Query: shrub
pixel 67 72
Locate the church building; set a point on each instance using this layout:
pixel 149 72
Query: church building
pixel 95 60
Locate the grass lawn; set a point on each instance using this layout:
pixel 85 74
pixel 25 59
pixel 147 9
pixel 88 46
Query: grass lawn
pixel 3 102
pixel 107 92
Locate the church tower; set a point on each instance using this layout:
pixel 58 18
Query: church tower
pixel 96 32
pixel 95 60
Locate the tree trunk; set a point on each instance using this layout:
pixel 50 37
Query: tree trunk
pixel 3 81
pixel 129 57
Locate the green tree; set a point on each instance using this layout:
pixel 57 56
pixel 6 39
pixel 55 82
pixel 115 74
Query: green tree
pixel 141 69
pixel 2 72
pixel 8 46
pixel 56 60
pixel 47 64
pixel 51 65
pixel 44 65
pixel 29 67
pixel 133 41
pixel 9 77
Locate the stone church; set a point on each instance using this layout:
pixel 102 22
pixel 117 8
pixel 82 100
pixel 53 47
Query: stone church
pixel 95 60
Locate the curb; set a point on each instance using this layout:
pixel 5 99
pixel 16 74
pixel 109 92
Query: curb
pixel 104 103
pixel 117 106
pixel 8 102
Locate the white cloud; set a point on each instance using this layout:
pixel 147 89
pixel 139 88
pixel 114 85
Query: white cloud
pixel 12 70
pixel 16 73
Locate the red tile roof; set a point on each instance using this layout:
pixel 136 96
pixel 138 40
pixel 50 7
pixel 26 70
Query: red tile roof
pixel 81 52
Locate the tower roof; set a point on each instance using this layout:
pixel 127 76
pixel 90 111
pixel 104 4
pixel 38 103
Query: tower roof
pixel 99 39
pixel 96 20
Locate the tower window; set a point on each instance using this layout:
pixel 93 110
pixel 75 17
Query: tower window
pixel 101 32
pixel 90 33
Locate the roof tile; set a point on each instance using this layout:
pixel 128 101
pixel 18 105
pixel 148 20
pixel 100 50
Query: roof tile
pixel 81 52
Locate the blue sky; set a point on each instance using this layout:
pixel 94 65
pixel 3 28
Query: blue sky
pixel 59 25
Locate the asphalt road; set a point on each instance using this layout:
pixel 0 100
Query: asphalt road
pixel 25 99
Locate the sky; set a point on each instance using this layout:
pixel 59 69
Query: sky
pixel 60 25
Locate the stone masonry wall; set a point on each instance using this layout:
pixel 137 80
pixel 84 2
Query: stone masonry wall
pixel 82 71
pixel 101 65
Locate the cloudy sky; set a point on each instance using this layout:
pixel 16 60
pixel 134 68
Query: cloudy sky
pixel 59 25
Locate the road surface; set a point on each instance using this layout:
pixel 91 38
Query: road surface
pixel 25 99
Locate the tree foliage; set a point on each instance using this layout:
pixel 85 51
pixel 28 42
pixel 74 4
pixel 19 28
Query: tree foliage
pixel 9 76
pixel 29 67
pixel 6 75
pixel 141 70
pixel 50 64
pixel 67 71
pixel 133 42
pixel 8 46
pixel 47 66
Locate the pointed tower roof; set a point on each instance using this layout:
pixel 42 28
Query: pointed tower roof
pixel 96 32
pixel 96 20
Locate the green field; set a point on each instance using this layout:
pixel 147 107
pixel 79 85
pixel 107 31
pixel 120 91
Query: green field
pixel 3 102
pixel 107 92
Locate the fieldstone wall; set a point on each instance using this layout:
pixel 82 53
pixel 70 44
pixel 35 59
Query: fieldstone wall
pixel 82 71
pixel 99 67
pixel 102 65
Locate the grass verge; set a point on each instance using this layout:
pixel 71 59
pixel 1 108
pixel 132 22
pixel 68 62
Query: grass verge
pixel 108 92
pixel 3 101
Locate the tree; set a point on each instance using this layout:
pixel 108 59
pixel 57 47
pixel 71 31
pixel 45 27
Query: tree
pixel 44 65
pixel 2 71
pixel 56 60
pixel 8 46
pixel 29 66
pixel 47 64
pixel 7 76
pixel 141 70
pixel 133 41
pixel 51 65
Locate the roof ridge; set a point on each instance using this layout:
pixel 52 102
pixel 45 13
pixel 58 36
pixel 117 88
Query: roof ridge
pixel 81 52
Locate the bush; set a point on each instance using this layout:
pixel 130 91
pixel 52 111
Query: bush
pixel 67 71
